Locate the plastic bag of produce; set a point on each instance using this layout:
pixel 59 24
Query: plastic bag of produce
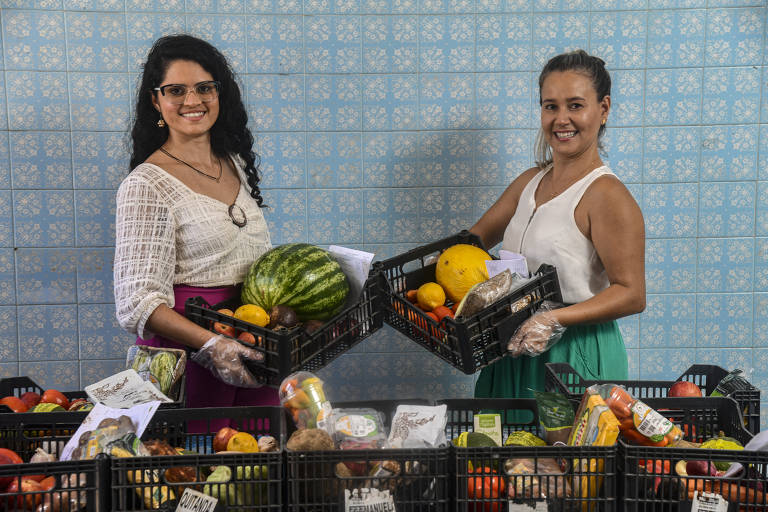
pixel 302 394
pixel 163 367
pixel 486 293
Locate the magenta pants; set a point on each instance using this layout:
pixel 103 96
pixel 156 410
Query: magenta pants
pixel 203 388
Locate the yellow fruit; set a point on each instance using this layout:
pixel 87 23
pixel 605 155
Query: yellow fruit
pixel 253 314
pixel 459 268
pixel 429 296
pixel 243 442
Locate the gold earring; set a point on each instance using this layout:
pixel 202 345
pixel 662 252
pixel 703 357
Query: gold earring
pixel 602 122
pixel 161 123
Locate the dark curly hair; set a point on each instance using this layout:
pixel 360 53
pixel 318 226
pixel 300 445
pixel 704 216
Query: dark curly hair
pixel 229 134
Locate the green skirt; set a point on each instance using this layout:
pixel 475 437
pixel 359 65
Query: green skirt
pixel 595 351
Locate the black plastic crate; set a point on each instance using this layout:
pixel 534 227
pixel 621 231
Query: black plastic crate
pixel 17 386
pixel 649 481
pixel 562 378
pixel 143 483
pixel 295 349
pixel 563 490
pixel 467 343
pixel 83 481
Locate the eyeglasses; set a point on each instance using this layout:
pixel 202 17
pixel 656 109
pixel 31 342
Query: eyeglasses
pixel 176 94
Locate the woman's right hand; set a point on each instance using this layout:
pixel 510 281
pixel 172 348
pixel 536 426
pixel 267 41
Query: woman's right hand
pixel 225 357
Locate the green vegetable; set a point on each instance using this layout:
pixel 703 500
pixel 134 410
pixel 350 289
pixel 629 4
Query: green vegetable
pixel 304 277
pixel 218 486
pixel 162 367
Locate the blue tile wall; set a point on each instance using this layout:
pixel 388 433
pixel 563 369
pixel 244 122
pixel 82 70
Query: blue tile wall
pixel 385 124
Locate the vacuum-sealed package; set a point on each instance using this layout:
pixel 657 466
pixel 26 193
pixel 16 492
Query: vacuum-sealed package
pixel 358 429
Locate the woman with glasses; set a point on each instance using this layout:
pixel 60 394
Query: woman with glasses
pixel 189 220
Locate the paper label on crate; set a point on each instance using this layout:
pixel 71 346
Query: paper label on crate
pixel 355 265
pixel 194 501
pixel 532 506
pixel 139 414
pixel 124 390
pixel 650 423
pixel 368 500
pixel 708 502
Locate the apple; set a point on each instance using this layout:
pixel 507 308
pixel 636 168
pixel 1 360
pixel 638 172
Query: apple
pixel 684 388
pixel 224 328
pixel 247 338
pixel 222 437
pixel 11 455
pixel 13 403
pixel 48 483
pixel 31 398
pixel 5 480
pixel 52 396
pixel 28 502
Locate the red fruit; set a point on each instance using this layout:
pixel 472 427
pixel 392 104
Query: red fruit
pixel 222 438
pixel 31 399
pixel 490 487
pixel 11 455
pixel 684 388
pixel 224 328
pixel 48 483
pixel 52 396
pixel 13 403
pixel 28 502
pixel 358 468
pixel 247 337
pixel 5 480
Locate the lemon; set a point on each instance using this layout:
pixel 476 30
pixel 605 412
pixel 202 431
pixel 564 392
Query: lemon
pixel 253 314
pixel 430 295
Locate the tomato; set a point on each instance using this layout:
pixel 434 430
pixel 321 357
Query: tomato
pixel 13 403
pixel 11 455
pixel 52 396
pixel 489 487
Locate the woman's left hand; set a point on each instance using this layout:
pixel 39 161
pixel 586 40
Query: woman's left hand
pixel 535 335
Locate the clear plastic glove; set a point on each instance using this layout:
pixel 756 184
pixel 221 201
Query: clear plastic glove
pixel 537 334
pixel 225 357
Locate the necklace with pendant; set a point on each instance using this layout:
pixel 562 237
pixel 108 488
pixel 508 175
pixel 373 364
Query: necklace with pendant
pixel 214 178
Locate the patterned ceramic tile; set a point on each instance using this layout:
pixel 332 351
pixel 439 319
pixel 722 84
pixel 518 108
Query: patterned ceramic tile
pixel 557 33
pixel 41 160
pixel 276 102
pixel 504 42
pixel 761 323
pixel 725 265
pixel 731 95
pixel 728 358
pixel 334 103
pixel 763 142
pixel 274 6
pixel 627 97
pixel 45 276
pixel 728 153
pixel 761 264
pixel 154 5
pixel 484 198
pixel 390 102
pixel 34 40
pixel 670 265
pixel 673 96
pixel 287 215
pixel 95 370
pixel 619 38
pixel 274 44
pixel 215 6
pixel 504 5
pixel 664 363
pixel 96 41
pixel 734 37
pixel 726 209
pixel 94 275
pixel 444 212
pixel 335 216
pixel 630 330
pixel 671 154
pixel 504 100
pixel 227 31
pixel 619 4
pixel 682 46
pixel 669 321
pixel 6 218
pixel 9 370
pixel 390 44
pixel 100 159
pixel 61 375
pixel 43 218
pixel 26 4
pixel 390 159
pixel 670 209
pixel 333 44
pixel 283 159
pixel 100 335
pixel 501 156
pixel 446 6
pixel 9 339
pixel 99 101
pixel 389 6
pixel 446 44
pixel 37 100
pixel 3 105
pixel 633 363
pixel 391 214
pixel 334 160
pixel 95 5
pixel 143 28
pixel 94 218
pixel 5 161
pixel 445 158
pixel 446 101
pixel 49 333
pixel 7 276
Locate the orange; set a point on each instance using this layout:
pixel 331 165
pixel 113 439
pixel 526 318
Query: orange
pixel 430 295
pixel 459 268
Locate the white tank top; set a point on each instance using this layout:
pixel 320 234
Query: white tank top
pixel 550 235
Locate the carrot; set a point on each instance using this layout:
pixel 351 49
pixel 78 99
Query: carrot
pixel 636 437
pixel 731 492
pixel 411 296
pixel 626 424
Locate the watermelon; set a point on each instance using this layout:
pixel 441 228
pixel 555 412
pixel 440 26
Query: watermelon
pixel 302 276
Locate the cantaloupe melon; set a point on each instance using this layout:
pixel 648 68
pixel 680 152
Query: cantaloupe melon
pixel 459 268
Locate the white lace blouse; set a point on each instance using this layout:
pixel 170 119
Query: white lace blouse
pixel 167 234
